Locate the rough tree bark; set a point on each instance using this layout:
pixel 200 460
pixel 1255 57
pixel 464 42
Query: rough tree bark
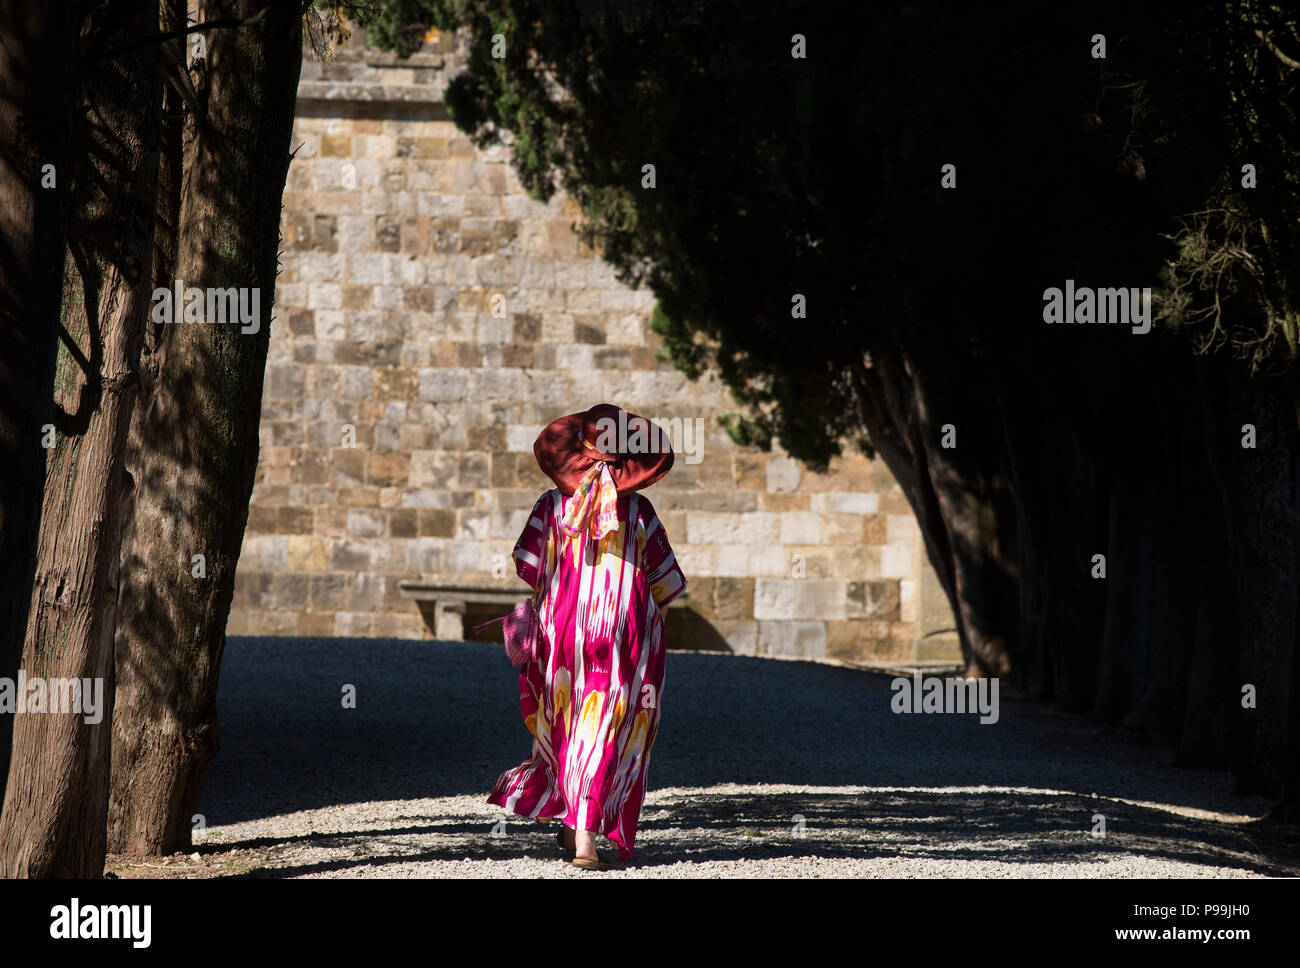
pixel 56 802
pixel 194 443
pixel 37 94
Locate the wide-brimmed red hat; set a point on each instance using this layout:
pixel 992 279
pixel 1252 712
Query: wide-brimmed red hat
pixel 572 445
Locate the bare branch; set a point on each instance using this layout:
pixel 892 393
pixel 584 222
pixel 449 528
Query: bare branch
pixel 1277 51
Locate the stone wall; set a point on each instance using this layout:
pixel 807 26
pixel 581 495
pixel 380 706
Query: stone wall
pixel 430 319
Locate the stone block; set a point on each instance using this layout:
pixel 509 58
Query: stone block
pixel 355 382
pixel 907 600
pixel 442 385
pixel 730 560
pixel 474 525
pixel 783 474
pixel 271 623
pixel 268 553
pixel 365 496
pixel 728 500
pixel 733 598
pixel 433 468
pixel 330 522
pixel 673 522
pixel 817 598
pixel 894 502
pixel 625 330
pixel 841 529
pixel 896 560
pixel 805 640
pixel 901 529
pixel 403 523
pixel 696 560
pixel 349 555
pixel 701 591
pixel 293 520
pixel 575 356
pixel 771 561
pixel 350 625
pixel 314 625
pixel 472 471
pixel 288 592
pixel 367 523
pixel 872 600
pixel 437 522
pixel 449 622
pixel 935 613
pixel 324 295
pixel 425 555
pixel 336 146
pixel 783 501
pixel 525 328
pixel 305 553
pixel 775 598
pixel 844 641
pixel 749 472
pixel 396 383
pixel 713 527
pixel 284 382
pixel 800 527
pixel 741 637
pixel 852 502
pixel 253 588
pixel 237 623
pixel 388 469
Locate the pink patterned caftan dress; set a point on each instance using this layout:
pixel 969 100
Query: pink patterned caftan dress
pixel 591 699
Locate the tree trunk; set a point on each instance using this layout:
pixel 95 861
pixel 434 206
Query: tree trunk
pixel 37 94
pixel 56 802
pixel 1200 593
pixel 957 442
pixel 194 441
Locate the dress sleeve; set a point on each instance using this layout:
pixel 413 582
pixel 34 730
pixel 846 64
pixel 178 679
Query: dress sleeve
pixel 666 579
pixel 530 549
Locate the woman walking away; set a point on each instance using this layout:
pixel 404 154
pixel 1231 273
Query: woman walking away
pixel 598 557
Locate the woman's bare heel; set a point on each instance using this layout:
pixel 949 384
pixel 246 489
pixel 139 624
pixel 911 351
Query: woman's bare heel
pixel 587 857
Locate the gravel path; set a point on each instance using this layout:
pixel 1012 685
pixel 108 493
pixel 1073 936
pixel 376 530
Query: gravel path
pixel 396 787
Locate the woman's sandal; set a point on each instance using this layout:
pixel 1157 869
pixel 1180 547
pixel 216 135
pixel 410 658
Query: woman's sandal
pixel 599 864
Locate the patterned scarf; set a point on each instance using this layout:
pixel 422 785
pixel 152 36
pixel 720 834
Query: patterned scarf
pixel 592 507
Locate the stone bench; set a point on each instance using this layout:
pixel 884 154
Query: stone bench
pixel 449 601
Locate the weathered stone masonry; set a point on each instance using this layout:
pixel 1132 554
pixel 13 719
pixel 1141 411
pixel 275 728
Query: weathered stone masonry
pixel 400 410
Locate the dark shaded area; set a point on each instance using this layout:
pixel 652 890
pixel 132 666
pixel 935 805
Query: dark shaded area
pixel 37 110
pixel 442 718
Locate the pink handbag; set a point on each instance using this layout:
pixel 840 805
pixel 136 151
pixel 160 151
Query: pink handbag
pixel 522 631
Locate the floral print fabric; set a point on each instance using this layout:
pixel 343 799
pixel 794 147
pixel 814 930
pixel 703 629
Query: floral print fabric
pixel 593 506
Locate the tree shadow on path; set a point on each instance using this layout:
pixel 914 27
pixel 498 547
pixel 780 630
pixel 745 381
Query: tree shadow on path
pixel 442 719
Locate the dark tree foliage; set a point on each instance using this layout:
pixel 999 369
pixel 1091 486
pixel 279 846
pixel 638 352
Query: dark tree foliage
pixel 820 176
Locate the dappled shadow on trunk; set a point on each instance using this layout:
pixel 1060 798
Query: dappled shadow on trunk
pixel 194 439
